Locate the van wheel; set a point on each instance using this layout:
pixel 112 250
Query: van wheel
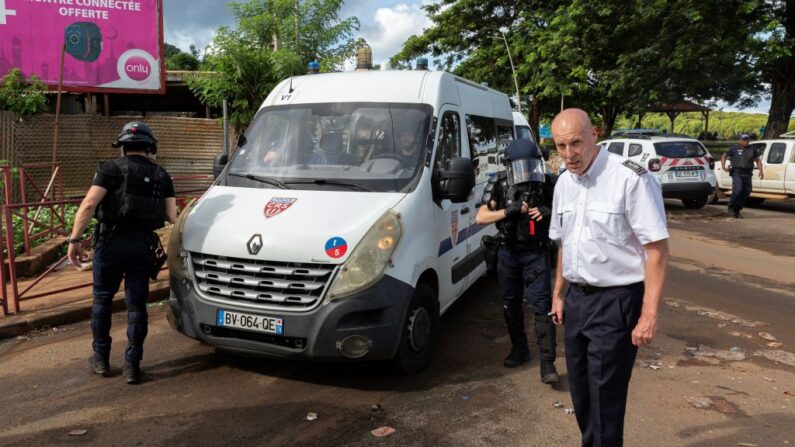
pixel 713 198
pixel 420 332
pixel 695 204
pixel 754 201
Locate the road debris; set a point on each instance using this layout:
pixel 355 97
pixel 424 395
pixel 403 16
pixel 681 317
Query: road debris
pixel 380 432
pixel 778 355
pixel 23 338
pixel 741 334
pixel 654 367
pixel 700 402
pixel 713 313
pixel 768 379
pixel 787 393
pixel 465 397
pixel 775 344
pixel 311 416
pixel 78 432
pixel 767 336
pixel 557 404
pixel 747 444
pixel 569 411
pixel 733 354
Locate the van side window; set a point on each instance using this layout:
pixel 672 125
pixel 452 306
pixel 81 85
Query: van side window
pixel 483 141
pixel 634 150
pixel 616 148
pixel 775 154
pixel 449 139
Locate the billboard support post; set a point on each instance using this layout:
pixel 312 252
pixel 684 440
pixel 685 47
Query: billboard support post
pixel 58 108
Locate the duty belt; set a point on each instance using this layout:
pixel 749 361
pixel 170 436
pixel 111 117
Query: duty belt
pixel 588 289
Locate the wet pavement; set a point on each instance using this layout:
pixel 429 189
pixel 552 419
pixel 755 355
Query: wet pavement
pixel 709 379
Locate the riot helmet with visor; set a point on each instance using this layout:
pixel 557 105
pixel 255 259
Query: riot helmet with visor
pixel 524 162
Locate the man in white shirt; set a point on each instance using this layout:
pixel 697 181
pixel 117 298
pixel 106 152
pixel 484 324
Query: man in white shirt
pixel 608 214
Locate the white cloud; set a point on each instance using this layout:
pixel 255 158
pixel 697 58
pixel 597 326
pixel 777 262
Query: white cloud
pixel 391 27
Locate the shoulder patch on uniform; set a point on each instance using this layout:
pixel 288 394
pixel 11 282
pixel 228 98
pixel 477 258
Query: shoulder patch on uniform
pixel 634 166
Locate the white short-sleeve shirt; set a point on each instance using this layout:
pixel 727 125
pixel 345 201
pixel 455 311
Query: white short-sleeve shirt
pixel 604 217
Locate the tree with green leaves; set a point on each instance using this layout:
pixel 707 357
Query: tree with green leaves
pixel 272 40
pixel 23 96
pixel 177 59
pixel 776 62
pixel 607 57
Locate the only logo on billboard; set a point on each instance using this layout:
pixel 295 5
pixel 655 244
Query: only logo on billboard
pixel 254 244
pixel 137 66
pixel 278 204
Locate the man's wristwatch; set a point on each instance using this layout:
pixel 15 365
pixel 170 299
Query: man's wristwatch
pixel 69 240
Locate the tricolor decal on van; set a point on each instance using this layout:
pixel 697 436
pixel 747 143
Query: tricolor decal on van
pixel 336 247
pixel 278 204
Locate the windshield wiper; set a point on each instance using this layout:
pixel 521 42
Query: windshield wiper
pixel 321 181
pixel 261 179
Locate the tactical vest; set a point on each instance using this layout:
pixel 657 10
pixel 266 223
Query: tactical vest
pixel 524 230
pixel 742 158
pixel 138 201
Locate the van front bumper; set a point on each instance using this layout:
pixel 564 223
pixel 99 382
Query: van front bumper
pixel 376 315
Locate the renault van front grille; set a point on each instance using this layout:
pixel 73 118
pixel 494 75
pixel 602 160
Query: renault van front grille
pixel 261 284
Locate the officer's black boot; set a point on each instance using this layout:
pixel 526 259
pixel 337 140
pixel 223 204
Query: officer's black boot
pixel 132 371
pixel 99 364
pixel 545 336
pixel 514 320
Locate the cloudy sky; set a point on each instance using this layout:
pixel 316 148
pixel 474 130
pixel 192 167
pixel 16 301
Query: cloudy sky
pixel 385 24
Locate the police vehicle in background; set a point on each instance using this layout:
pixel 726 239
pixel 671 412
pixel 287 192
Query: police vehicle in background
pixel 342 227
pixel 682 165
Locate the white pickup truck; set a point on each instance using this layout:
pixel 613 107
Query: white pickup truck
pixel 778 163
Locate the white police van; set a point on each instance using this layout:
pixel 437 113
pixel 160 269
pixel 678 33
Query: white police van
pixel 343 226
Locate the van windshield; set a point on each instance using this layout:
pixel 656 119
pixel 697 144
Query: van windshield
pixel 679 149
pixel 360 146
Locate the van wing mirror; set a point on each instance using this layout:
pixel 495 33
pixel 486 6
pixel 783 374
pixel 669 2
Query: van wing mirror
pixel 456 180
pixel 219 163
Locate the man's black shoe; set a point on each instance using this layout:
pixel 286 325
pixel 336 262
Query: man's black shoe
pixel 99 365
pixel 132 371
pixel 516 358
pixel 549 374
pixel 737 215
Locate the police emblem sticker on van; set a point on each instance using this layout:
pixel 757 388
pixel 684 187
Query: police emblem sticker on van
pixel 278 204
pixel 336 247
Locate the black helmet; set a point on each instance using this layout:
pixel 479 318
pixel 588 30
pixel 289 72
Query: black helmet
pixel 135 133
pixel 524 161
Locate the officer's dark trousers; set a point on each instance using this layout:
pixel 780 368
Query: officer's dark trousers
pixel 128 256
pixel 599 358
pixel 741 189
pixel 519 270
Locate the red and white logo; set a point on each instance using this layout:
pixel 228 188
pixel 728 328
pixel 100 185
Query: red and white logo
pixel 278 204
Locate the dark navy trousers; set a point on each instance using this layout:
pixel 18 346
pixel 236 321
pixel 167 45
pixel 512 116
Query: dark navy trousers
pixel 741 189
pixel 599 358
pixel 128 256
pixel 519 270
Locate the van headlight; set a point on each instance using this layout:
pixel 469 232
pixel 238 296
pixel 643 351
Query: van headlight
pixel 369 259
pixel 176 256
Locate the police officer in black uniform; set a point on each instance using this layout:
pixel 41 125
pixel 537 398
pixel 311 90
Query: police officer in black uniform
pixel 518 200
pixel 131 196
pixel 742 167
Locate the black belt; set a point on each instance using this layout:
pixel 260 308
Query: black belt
pixel 588 289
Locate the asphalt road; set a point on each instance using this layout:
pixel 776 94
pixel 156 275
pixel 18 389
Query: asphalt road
pixel 729 280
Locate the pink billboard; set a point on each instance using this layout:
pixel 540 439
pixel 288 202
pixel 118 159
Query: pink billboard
pixel 108 45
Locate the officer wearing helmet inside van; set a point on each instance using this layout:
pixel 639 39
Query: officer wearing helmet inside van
pixel 131 197
pixel 519 201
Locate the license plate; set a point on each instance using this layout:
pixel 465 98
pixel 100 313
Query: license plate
pixel 256 323
pixel 686 173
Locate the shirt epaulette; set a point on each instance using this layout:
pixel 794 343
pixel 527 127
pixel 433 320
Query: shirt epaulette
pixel 634 166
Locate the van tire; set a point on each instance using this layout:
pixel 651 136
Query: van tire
pixel 695 204
pixel 420 332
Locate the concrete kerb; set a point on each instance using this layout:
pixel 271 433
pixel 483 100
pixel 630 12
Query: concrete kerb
pixel 68 313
